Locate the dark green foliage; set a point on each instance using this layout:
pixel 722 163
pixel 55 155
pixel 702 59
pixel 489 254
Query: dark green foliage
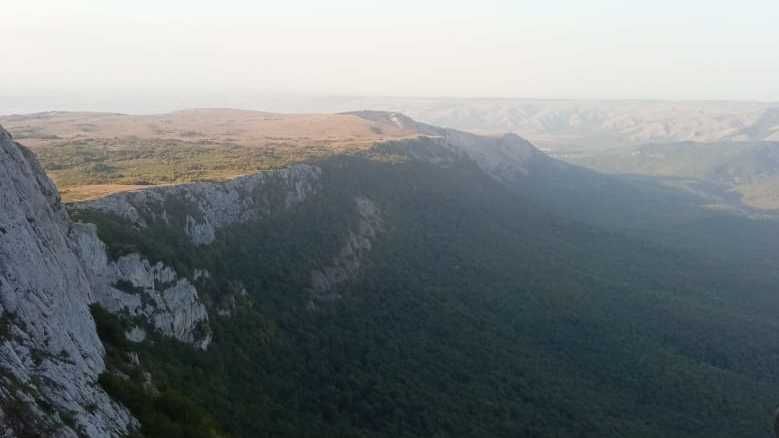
pixel 165 414
pixel 477 313
pixel 109 327
pixel 5 326
pixel 128 287
pixel 167 244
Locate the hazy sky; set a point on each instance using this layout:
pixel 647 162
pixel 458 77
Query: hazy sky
pixel 660 49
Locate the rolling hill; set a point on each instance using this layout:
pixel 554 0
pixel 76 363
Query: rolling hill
pixel 740 172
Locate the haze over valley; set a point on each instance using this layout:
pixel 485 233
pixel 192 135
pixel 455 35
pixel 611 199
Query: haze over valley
pixel 226 221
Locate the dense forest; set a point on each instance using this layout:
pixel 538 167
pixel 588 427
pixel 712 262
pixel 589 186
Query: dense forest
pixel 477 313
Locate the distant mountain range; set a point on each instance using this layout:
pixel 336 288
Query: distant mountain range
pixel 555 125
pixel 744 172
pixel 564 125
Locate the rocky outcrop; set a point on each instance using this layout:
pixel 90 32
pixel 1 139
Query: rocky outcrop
pixel 346 264
pixel 51 271
pixel 205 207
pixel 50 353
pixel 154 292
pixel 133 286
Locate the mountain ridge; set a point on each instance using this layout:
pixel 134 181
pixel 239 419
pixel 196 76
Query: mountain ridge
pixel 423 286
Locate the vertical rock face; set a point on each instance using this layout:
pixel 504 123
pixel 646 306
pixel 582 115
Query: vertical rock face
pixel 133 286
pixel 50 354
pixel 206 207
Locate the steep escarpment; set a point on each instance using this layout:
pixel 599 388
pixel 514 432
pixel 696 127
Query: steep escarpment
pixel 50 353
pixel 156 292
pixel 507 157
pixel 51 271
pixel 150 293
pixel 202 208
pixel 427 287
pixel 195 215
pixel 416 294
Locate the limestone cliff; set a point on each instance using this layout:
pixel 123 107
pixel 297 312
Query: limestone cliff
pixel 51 271
pixel 203 208
pixel 133 286
pixel 50 354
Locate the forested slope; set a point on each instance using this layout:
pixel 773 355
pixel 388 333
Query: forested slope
pixel 457 304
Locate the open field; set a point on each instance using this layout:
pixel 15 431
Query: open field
pixel 94 154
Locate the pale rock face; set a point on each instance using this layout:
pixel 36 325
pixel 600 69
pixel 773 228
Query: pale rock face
pixel 170 304
pixel 51 270
pixel 50 354
pixel 166 302
pixel 346 264
pixel 507 158
pixel 210 206
pixel 200 274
